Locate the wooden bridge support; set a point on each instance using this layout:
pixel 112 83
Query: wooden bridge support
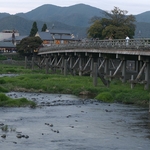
pixel 106 68
pixel 47 66
pixel 147 73
pixel 80 66
pixel 95 74
pixel 149 106
pixel 65 67
pixel 32 63
pixel 123 71
pixel 91 67
pixel 26 62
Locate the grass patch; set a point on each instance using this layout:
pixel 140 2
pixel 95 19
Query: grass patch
pixel 37 80
pixel 6 101
pixel 105 96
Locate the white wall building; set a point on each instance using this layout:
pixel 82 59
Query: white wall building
pixel 6 34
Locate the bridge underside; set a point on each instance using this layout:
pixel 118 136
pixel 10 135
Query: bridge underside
pixel 132 68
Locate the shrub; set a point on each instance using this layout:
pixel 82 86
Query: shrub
pixel 2 81
pixel 3 89
pixel 105 96
pixel 3 97
pixel 6 101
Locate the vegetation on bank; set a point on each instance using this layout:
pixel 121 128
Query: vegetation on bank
pixel 6 101
pixel 38 81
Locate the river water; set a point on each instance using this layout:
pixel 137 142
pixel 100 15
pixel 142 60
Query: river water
pixel 66 122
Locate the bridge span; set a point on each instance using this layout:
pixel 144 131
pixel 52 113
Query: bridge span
pixel 126 60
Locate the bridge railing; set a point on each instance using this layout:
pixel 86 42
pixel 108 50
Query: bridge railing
pixel 98 44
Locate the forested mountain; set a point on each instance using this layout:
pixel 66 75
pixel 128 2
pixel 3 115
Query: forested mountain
pixel 3 15
pixel 75 18
pixel 143 17
pixel 76 15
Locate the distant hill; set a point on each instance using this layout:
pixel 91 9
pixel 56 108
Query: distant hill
pixel 142 30
pixel 75 18
pixel 14 22
pixel 143 17
pixel 76 15
pixel 24 26
pixel 3 15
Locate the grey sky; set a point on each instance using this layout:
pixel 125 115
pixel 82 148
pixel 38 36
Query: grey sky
pixel 132 6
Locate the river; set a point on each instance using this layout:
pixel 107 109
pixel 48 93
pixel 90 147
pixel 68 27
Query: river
pixel 66 122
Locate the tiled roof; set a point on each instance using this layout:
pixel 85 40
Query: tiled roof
pixel 56 31
pixel 19 38
pixel 62 37
pixel 54 34
pixel 7 45
pixel 44 35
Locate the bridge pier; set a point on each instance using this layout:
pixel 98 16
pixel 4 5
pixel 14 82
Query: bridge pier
pixel 80 65
pixel 106 67
pixel 91 67
pixel 26 62
pixel 47 66
pixel 65 67
pixel 95 73
pixel 62 64
pixel 124 71
pixel 147 73
pixel 32 63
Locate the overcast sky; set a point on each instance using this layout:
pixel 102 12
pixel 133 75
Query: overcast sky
pixel 132 6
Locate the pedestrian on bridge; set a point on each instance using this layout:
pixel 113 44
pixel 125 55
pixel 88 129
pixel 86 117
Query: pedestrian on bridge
pixel 127 40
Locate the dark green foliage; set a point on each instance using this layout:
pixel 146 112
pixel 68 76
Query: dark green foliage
pixel 3 89
pixel 11 70
pixel 2 57
pixel 3 97
pixel 2 81
pixel 44 28
pixel 34 29
pixel 29 45
pixel 116 25
pixel 5 101
pixel 95 30
pixel 105 96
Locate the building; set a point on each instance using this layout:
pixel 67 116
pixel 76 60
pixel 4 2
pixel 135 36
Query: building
pixel 7 47
pixel 45 37
pixel 55 36
pixel 9 39
pixel 16 40
pixel 6 34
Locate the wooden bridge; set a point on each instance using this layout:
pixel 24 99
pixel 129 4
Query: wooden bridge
pixel 126 60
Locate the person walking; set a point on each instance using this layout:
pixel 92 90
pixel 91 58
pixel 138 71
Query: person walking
pixel 127 40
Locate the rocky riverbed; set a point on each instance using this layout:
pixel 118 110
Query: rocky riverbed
pixel 66 122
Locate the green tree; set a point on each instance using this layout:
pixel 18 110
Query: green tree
pixel 117 24
pixel 29 45
pixel 34 29
pixel 95 31
pixel 44 28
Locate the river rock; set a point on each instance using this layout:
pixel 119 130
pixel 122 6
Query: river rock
pixel 3 136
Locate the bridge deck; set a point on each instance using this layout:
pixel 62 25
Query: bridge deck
pixel 121 46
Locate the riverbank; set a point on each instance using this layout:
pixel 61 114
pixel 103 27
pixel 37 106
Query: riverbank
pixel 37 81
